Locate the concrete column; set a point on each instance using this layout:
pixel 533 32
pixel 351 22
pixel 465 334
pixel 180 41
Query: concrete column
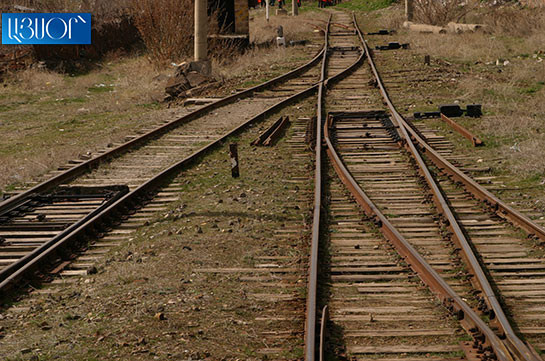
pixel 409 10
pixel 294 8
pixel 201 30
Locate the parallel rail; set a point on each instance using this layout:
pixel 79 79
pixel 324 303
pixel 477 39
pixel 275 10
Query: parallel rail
pixel 310 325
pixel 512 348
pixel 92 163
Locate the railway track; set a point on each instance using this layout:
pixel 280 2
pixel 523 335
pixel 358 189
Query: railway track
pixel 43 225
pixel 452 238
pixel 429 272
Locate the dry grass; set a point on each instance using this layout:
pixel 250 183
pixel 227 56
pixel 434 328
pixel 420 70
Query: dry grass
pixel 513 95
pixel 295 27
pixel 110 315
pixel 511 20
pixel 103 10
pixel 49 118
pixel 258 61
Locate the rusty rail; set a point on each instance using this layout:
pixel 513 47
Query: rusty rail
pixel 498 206
pixel 515 345
pixel 310 325
pixel 463 131
pixel 323 332
pixel 139 195
pixel 265 135
pixel 277 132
pixel 468 318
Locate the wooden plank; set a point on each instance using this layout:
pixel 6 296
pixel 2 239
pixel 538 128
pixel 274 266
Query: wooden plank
pixel 403 349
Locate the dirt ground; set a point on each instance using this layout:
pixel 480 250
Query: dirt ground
pixel 220 223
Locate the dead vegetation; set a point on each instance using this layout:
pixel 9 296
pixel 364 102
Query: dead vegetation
pixel 166 27
pixel 502 68
pixel 265 54
pixel 441 12
pixel 219 222
pixel 49 118
pixel 295 28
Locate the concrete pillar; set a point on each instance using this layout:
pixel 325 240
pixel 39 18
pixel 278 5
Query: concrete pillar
pixel 294 8
pixel 201 30
pixel 409 9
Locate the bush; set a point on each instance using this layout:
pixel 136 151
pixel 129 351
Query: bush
pixel 441 12
pixel 166 27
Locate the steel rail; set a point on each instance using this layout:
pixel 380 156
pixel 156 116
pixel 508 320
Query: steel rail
pixel 13 267
pixel 13 202
pixel 515 345
pixel 476 141
pixel 310 324
pixel 467 317
pixel 310 310
pixel 137 196
pixel 323 332
pixel 497 205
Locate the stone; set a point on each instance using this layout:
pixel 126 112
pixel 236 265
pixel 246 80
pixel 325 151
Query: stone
pixel 160 316
pixel 195 79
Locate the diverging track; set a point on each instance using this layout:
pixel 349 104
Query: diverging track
pixel 376 306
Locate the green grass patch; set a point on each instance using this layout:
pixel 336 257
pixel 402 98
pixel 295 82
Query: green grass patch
pixel 305 6
pixel 532 89
pixel 97 89
pixel 151 106
pixel 65 101
pixel 250 83
pixel 365 5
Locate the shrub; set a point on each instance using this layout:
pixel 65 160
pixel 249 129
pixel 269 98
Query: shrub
pixel 166 27
pixel 441 12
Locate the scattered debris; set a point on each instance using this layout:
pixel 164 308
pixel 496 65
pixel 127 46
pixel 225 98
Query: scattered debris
pixel 392 46
pixel 383 32
pixel 186 77
pixel 269 136
pixel 452 110
pixel 515 147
